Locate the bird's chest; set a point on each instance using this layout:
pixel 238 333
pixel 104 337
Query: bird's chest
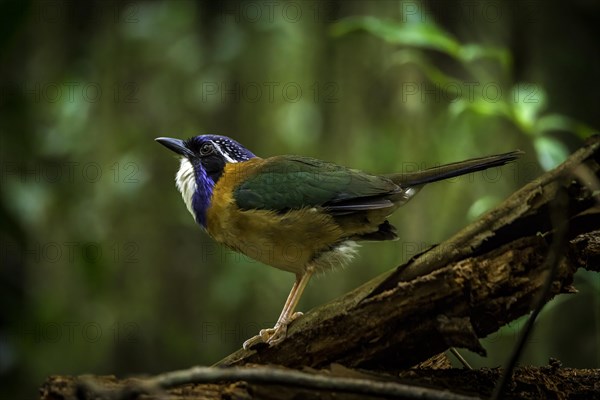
pixel 289 241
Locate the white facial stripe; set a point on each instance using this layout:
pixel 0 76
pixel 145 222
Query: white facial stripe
pixel 223 153
pixel 232 149
pixel 186 183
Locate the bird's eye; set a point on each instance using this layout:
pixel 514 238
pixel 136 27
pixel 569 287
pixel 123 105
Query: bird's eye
pixel 206 149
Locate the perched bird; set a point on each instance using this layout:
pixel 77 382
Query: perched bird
pixel 295 213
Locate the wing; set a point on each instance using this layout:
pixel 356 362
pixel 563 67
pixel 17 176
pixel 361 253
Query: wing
pixel 293 182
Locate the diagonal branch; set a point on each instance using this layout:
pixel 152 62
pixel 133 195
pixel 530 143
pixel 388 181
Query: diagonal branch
pixel 485 276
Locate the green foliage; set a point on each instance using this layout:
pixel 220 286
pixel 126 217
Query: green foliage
pixel 420 35
pixel 524 106
pixel 103 269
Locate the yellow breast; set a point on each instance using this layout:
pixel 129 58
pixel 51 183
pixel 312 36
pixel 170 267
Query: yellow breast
pixel 288 241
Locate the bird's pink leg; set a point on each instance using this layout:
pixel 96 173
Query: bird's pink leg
pixel 276 334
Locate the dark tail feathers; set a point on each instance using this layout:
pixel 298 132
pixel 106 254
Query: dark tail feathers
pixel 454 169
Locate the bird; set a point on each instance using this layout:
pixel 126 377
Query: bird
pixel 295 213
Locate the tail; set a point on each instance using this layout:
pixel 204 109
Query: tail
pixel 454 169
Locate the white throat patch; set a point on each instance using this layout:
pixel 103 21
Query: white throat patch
pixel 186 183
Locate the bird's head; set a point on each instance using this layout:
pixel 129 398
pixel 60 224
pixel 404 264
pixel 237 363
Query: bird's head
pixel 203 159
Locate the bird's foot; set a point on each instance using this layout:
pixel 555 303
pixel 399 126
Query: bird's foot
pixel 272 336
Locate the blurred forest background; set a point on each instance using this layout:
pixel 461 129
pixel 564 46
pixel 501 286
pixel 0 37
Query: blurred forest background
pixel 102 268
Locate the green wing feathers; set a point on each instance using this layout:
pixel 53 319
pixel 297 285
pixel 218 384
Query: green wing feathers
pixel 358 202
pixel 294 182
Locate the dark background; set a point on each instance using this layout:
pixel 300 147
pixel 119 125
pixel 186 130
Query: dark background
pixel 102 268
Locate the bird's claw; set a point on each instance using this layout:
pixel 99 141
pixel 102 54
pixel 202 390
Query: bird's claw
pixel 293 317
pixel 272 336
pixel 253 341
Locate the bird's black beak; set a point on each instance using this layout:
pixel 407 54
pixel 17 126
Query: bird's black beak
pixel 176 145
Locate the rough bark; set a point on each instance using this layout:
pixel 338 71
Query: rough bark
pixel 450 295
pixel 528 383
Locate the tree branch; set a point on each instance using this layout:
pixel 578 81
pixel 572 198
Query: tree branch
pixel 89 388
pixel 530 383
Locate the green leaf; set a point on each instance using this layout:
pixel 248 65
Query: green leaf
pixel 482 205
pixel 551 152
pixel 433 73
pixel 559 122
pixel 424 35
pixel 528 101
pixel 480 106
pixel 409 34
